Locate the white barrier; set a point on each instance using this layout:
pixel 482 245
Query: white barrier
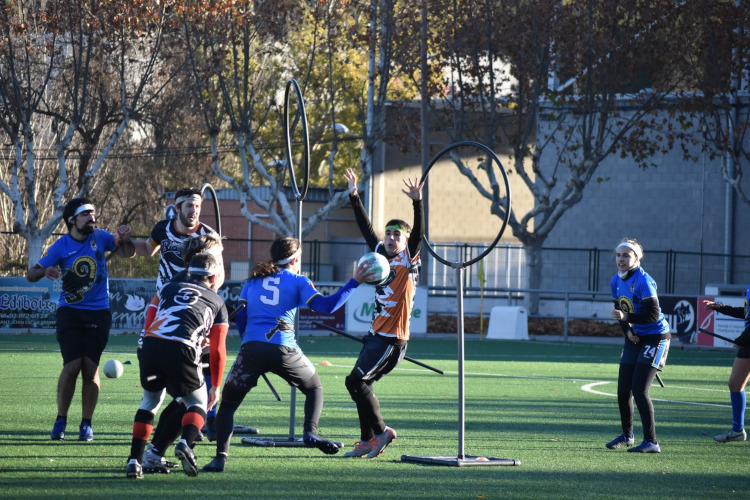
pixel 508 322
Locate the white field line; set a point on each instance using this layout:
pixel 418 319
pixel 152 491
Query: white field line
pixel 590 388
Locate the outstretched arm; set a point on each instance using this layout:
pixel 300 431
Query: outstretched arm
pixel 414 191
pixel 363 221
pixel 125 246
pixel 335 300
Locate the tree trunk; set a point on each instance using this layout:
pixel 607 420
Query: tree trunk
pixel 533 251
pixel 34 242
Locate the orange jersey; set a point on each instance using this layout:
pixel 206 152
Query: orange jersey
pixel 394 300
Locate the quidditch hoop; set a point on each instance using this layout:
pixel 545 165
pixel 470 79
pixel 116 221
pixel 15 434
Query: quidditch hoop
pixel 216 204
pixel 299 194
pixel 495 159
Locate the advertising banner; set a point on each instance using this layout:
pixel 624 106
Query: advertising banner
pixel 25 305
pixel 680 313
pixel 712 321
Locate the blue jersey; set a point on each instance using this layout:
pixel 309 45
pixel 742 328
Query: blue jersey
pixel 84 269
pixel 629 295
pixel 272 304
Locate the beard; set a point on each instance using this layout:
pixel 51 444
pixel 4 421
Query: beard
pixel 87 228
pixel 185 220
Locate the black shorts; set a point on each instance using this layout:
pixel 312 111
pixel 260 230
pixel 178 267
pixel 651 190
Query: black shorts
pixel 743 352
pixel 82 332
pixel 170 365
pixel 256 358
pixel 378 357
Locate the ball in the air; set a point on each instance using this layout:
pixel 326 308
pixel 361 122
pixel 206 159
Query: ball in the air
pixel 377 263
pixel 113 369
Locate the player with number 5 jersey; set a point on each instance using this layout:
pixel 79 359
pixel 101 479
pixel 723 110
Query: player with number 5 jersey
pixel 272 295
pixel 636 307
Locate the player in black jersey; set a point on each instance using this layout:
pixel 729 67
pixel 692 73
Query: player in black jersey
pixel 190 311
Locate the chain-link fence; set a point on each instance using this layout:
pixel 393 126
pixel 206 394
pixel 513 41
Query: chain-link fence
pixel 564 269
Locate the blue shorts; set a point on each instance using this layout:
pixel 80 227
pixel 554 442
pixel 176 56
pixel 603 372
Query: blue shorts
pixel 651 351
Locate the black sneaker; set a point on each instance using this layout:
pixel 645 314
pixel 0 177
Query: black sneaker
pixel 185 454
pixel 646 447
pixel 244 429
pixel 620 441
pixel 312 440
pixel 134 469
pixel 216 464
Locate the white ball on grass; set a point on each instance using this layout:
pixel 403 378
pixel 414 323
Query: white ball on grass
pixel 112 369
pixel 378 263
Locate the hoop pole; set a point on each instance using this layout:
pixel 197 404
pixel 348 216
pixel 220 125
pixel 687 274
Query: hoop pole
pixel 293 395
pixel 461 372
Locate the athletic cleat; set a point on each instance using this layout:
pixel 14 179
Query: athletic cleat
pixel 312 440
pixel 379 442
pixel 620 441
pixel 185 454
pixel 360 449
pixel 150 450
pixel 646 447
pixel 730 435
pixel 216 464
pixel 242 429
pixel 153 463
pixel 85 433
pixel 58 430
pixel 199 438
pixel 134 469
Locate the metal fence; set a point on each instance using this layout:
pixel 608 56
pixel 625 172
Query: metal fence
pixel 563 269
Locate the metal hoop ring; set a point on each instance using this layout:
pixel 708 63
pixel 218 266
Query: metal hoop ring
pixel 495 159
pixel 210 188
pixel 300 195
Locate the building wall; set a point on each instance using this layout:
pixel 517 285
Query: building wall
pixel 677 205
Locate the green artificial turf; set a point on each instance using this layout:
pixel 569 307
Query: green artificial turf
pixel 549 405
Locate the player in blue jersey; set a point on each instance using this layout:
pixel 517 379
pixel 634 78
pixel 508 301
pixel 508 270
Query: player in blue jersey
pixel 272 295
pixel 740 370
pixel 83 317
pixel 636 307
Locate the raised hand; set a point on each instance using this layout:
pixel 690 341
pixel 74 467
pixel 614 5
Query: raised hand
pixel 351 179
pixel 413 190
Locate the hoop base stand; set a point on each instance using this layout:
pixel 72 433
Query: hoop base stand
pixel 460 459
pixel 456 461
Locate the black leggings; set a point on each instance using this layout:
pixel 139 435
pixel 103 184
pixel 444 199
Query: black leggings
pixel 232 396
pixel 634 382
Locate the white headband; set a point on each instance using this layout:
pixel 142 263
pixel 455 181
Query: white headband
pixel 83 208
pixel 201 271
pixel 290 258
pixel 637 251
pixel 195 197
pixel 215 250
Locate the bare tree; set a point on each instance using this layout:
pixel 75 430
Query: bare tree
pixel 563 85
pixel 51 56
pixel 241 61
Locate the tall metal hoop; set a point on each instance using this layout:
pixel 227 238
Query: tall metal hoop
pixel 292 84
pixel 208 187
pixel 461 459
pixel 493 157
